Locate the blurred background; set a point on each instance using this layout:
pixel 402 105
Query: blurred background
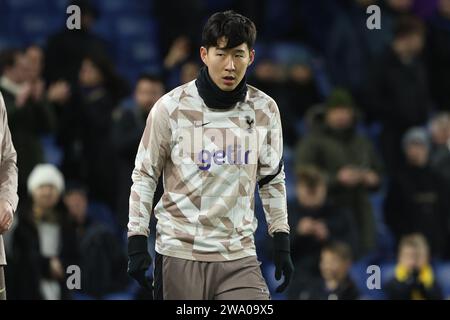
pixel 366 131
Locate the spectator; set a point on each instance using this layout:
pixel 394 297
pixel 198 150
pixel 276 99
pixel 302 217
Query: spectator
pixel 268 75
pixel 315 220
pixel 29 116
pixel 397 89
pixel 126 134
pixel 414 277
pixel 352 47
pixel 335 282
pixel 349 161
pixel 92 246
pixel 301 91
pixel 36 270
pixel 417 198
pixel 101 91
pixel 66 50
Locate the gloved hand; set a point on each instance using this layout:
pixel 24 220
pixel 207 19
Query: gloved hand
pixel 139 260
pixel 282 259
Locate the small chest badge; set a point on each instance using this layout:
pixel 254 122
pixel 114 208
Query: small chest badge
pixel 250 123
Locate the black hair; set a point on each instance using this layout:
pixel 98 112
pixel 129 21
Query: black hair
pixel 114 83
pixel 339 248
pixel 8 58
pixel 236 28
pixel 408 25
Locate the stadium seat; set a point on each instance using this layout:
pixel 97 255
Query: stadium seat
pixel 443 278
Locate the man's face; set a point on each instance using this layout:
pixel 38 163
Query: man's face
pixel 227 67
pixel 89 75
pixel 147 93
pixel 339 117
pixel 440 132
pixel 76 203
pixel 311 197
pixel 414 43
pixel 333 267
pixel 408 47
pixel 417 154
pixel 35 56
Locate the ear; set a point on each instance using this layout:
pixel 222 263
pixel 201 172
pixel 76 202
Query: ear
pixel 252 56
pixel 204 55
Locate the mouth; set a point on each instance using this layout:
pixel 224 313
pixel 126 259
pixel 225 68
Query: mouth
pixel 228 80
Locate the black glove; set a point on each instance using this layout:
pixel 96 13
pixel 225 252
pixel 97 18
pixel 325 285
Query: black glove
pixel 139 260
pixel 282 259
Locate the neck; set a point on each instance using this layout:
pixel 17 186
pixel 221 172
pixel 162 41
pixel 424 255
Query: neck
pixel 216 98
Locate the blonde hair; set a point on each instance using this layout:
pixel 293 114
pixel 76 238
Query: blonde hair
pixel 415 240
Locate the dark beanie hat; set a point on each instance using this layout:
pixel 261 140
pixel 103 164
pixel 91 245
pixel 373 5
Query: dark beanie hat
pixel 340 97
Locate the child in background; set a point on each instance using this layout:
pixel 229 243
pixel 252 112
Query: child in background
pixel 414 276
pixel 335 282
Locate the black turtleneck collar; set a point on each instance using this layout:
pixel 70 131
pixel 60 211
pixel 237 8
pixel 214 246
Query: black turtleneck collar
pixel 215 97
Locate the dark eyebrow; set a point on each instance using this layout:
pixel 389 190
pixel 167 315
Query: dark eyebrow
pixel 227 49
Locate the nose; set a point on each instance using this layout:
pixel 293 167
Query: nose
pixel 230 64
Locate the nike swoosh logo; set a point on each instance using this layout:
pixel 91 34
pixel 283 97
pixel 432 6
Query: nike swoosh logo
pixel 203 124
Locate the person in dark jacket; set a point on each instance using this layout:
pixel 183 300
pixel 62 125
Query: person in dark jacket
pixel 396 92
pixel 335 282
pixel 101 92
pixel 417 198
pixel 36 271
pixel 348 159
pixel 92 246
pixel 127 131
pixel 316 221
pixel 66 49
pixel 351 47
pixel 29 116
pixel 414 277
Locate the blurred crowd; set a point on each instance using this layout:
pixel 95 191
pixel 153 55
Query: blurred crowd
pixel 366 120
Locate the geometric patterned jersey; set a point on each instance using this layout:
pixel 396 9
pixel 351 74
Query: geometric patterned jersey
pixel 211 161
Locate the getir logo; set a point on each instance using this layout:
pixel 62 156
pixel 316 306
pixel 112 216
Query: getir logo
pixel 228 156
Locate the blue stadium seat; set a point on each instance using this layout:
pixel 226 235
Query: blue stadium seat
pixel 443 278
pixel 113 7
pixel 104 28
pixel 277 13
pixel 130 26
